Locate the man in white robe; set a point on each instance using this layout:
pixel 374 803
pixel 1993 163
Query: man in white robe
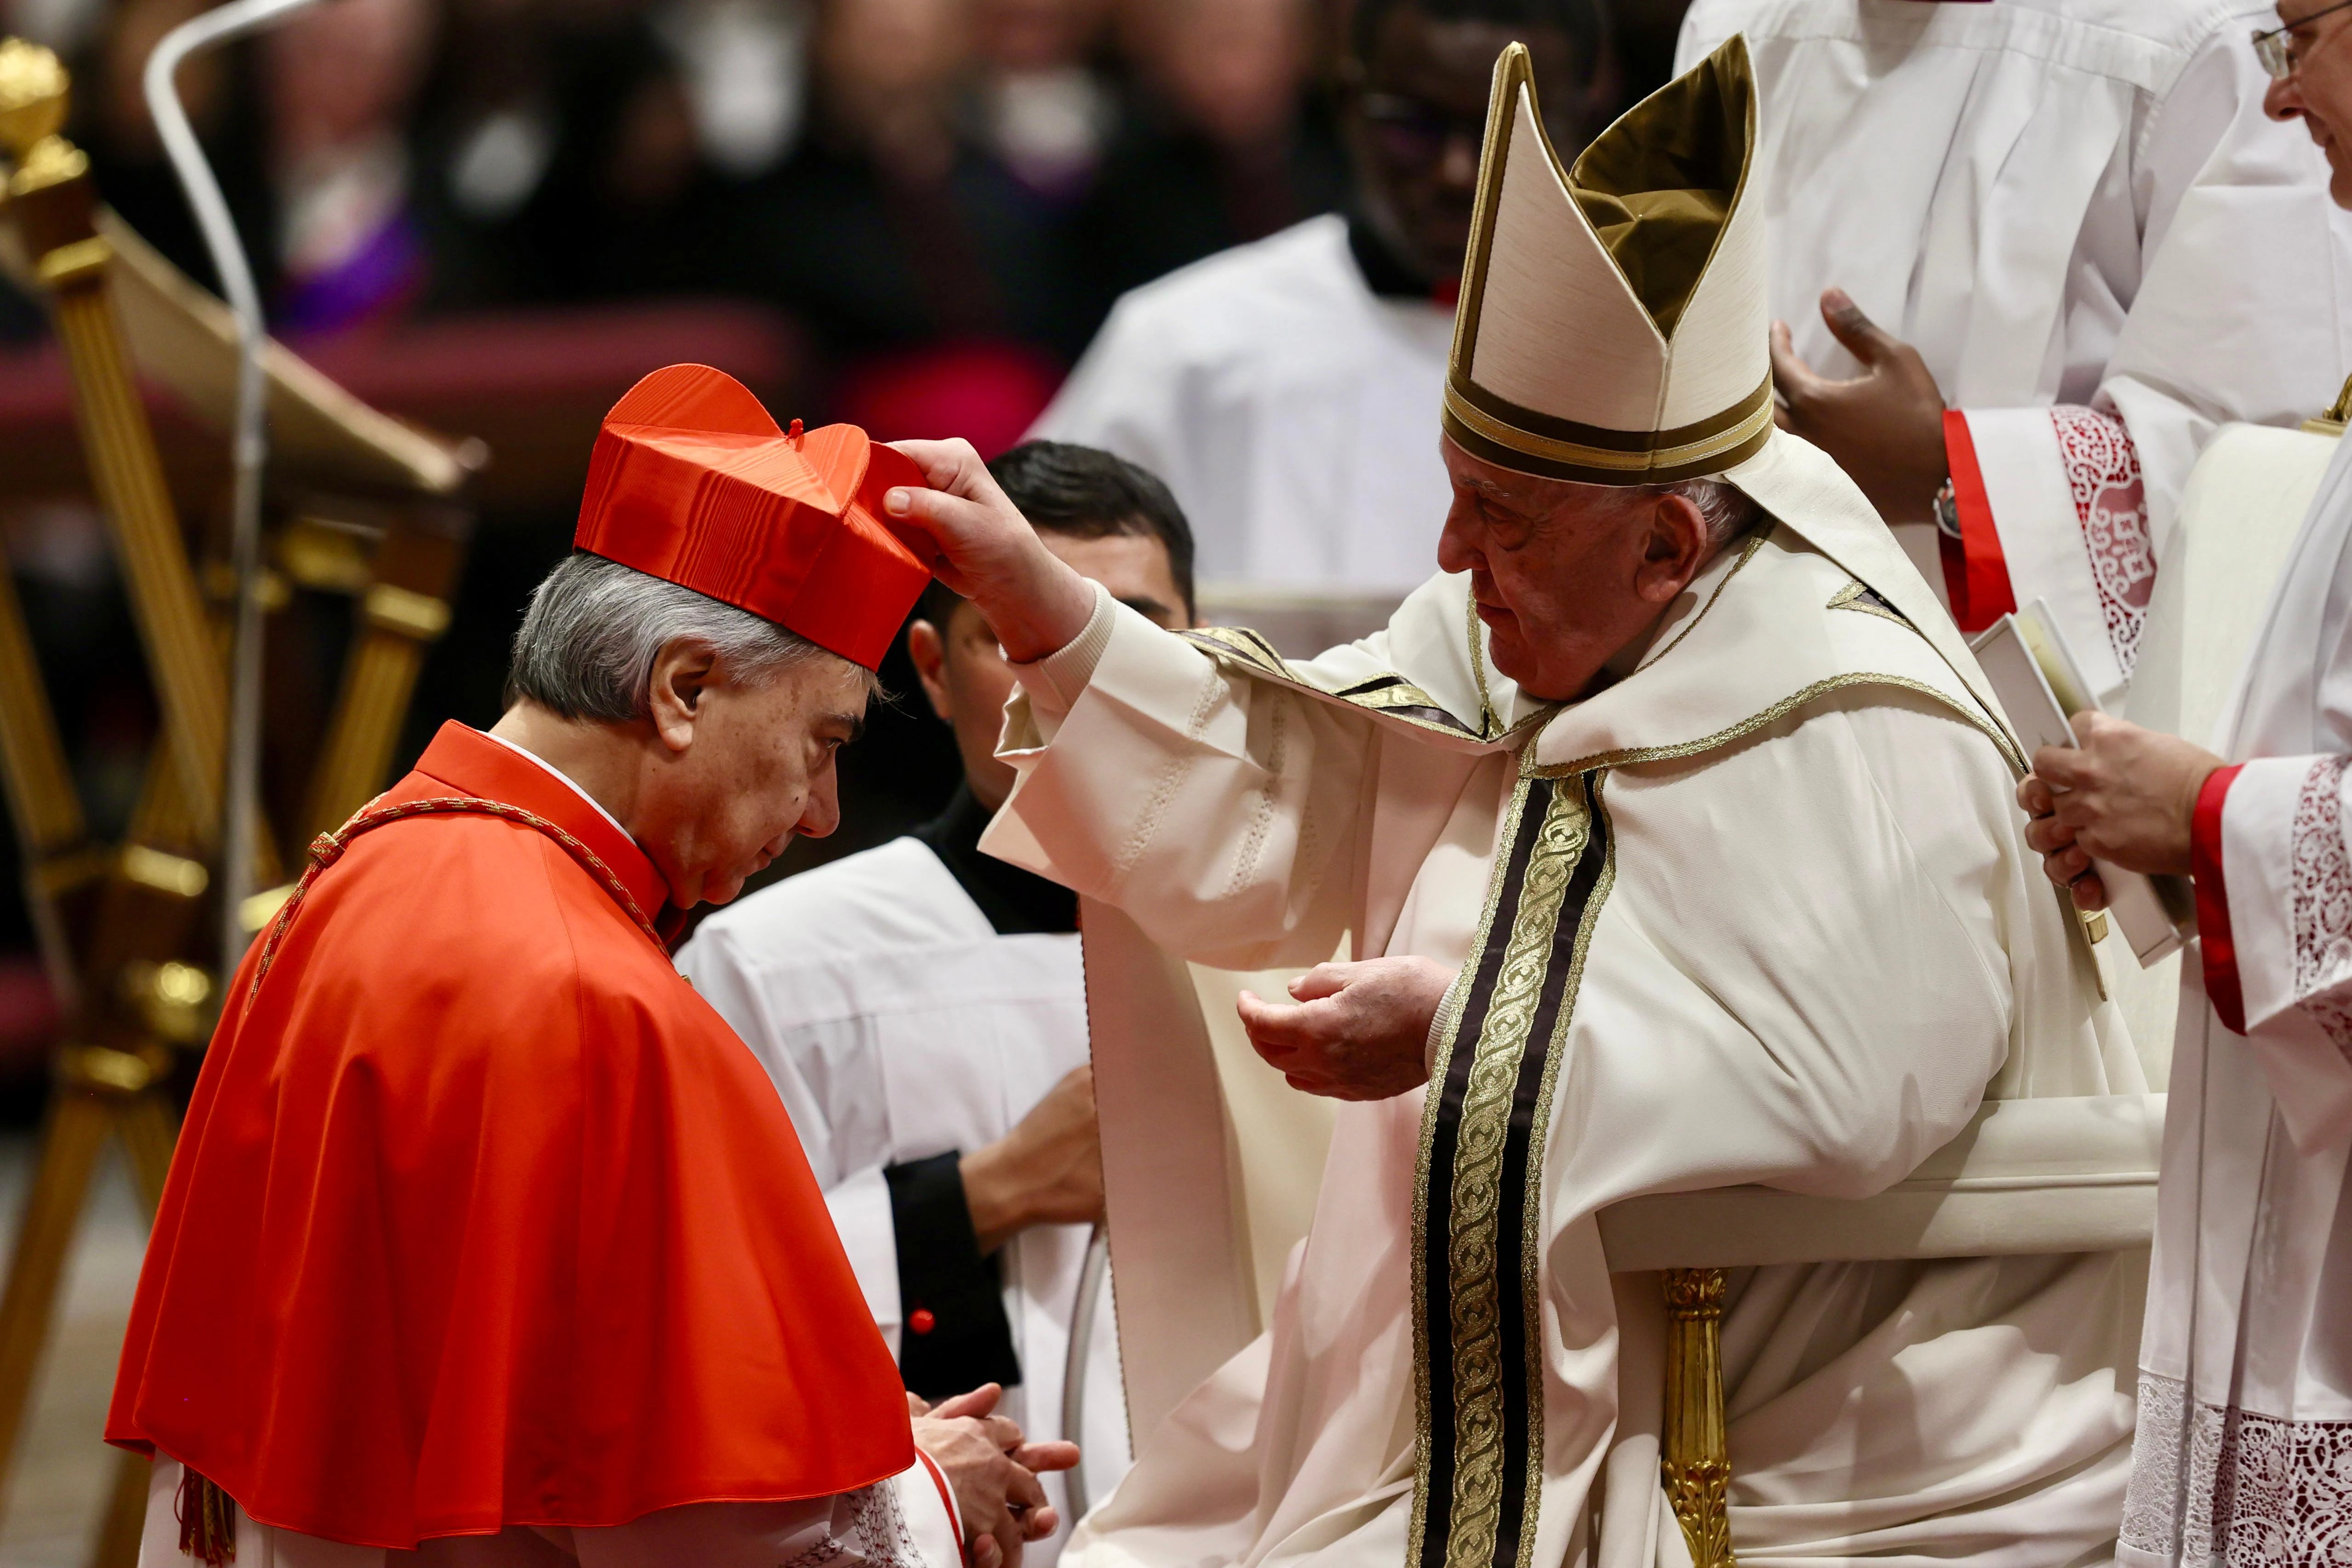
pixel 1689 857
pixel 2244 1452
pixel 1283 388
pixel 921 1007
pixel 2070 221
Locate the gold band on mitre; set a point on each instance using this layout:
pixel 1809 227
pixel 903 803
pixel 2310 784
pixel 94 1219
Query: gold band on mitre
pixel 1520 439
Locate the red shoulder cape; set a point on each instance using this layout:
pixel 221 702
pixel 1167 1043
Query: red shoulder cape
pixel 482 1218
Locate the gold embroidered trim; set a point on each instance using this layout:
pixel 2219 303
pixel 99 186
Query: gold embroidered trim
pixel 1480 1184
pixel 1389 695
pixel 1859 596
pixel 1488 719
pixel 1746 553
pixel 1632 756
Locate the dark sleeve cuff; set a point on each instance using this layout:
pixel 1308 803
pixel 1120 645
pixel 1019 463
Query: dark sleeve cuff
pixel 954 1334
pixel 1976 573
pixel 2215 942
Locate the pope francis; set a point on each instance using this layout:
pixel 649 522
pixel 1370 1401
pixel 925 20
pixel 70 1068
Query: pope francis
pixel 1670 826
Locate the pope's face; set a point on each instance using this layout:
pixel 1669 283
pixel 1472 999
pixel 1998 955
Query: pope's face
pixel 1564 576
pixel 2319 90
pixel 759 770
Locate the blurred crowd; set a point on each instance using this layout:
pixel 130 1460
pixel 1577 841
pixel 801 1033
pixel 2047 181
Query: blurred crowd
pixel 946 196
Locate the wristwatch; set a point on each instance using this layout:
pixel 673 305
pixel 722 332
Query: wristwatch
pixel 1947 509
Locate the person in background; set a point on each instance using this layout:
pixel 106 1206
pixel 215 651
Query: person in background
pixel 922 1010
pixel 1284 389
pixel 2027 257
pixel 2245 1366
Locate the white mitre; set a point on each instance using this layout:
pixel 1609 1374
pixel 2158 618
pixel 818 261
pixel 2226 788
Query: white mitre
pixel 1612 322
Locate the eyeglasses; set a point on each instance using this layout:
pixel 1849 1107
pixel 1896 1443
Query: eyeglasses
pixel 1416 133
pixel 2275 50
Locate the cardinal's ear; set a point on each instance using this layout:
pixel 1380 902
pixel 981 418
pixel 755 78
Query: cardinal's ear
pixel 684 670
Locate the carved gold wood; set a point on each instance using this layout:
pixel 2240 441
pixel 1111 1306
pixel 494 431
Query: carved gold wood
pixel 1693 1458
pixel 133 1001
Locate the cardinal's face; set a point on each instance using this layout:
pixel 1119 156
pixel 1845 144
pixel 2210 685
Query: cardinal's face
pixel 757 771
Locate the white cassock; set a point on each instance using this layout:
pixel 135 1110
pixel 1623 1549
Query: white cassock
pixel 2245 1445
pixel 906 1522
pixel 1760 912
pixel 901 1029
pixel 1288 406
pixel 2077 213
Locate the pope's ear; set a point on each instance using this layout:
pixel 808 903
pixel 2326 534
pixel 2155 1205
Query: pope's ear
pixel 1675 549
pixel 683 673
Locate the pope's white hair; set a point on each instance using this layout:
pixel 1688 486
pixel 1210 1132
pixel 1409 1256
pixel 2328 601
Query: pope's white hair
pixel 588 642
pixel 1728 510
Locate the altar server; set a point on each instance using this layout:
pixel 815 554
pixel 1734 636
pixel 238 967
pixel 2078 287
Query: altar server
pixel 1673 820
pixel 2068 220
pixel 484 1231
pixel 2244 1452
pixel 1283 389
pixel 922 1009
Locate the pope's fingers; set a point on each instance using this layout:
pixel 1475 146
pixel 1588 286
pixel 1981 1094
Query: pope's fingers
pixel 2090 892
pixel 1323 980
pixel 2047 835
pixel 1041 1523
pixel 950 464
pixel 2033 794
pixel 986 1553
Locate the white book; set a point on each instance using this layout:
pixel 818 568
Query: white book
pixel 2034 674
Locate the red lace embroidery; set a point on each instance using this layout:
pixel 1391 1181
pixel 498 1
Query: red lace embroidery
pixel 2323 901
pixel 2103 471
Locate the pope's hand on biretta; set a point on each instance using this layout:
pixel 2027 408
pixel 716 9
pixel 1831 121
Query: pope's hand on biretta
pixel 2122 794
pixel 982 547
pixel 1359 1031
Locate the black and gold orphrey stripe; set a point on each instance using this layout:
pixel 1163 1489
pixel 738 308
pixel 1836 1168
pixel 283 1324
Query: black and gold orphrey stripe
pixel 1477 1209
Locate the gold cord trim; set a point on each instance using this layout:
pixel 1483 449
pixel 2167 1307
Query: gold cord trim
pixel 1633 755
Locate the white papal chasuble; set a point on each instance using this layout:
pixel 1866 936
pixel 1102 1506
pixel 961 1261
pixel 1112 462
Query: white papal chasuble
pixel 2078 214
pixel 1760 912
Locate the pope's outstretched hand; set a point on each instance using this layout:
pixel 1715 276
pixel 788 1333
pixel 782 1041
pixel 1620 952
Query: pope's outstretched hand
pixel 1361 1031
pixel 982 547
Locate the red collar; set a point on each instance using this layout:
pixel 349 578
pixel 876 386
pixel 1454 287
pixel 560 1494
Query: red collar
pixel 465 759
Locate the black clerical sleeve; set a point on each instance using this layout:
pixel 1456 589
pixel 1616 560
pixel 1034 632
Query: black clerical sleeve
pixel 954 1336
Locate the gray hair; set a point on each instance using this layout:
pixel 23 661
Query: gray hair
pixel 588 642
pixel 1728 510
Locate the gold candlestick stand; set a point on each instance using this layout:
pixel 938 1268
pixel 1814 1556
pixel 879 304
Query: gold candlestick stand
pixel 117 926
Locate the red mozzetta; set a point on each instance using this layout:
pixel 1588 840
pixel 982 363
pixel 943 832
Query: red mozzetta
pixel 482 1217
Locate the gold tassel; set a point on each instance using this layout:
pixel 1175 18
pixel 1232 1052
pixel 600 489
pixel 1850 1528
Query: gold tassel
pixel 207 1517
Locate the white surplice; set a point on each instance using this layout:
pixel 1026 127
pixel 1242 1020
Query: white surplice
pixel 906 1522
pixel 2077 213
pixel 2245 1446
pixel 1821 941
pixel 897 1025
pixel 1290 409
